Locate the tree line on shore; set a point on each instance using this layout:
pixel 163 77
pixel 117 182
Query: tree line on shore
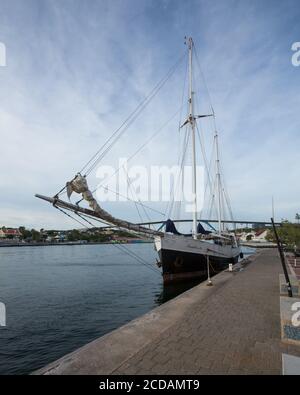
pixel 72 235
pixel 288 233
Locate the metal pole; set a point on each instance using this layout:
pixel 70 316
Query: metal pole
pixel 209 282
pixel 286 275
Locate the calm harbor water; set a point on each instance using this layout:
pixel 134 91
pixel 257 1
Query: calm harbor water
pixel 59 298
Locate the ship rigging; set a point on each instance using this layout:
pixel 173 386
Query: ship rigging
pixel 182 256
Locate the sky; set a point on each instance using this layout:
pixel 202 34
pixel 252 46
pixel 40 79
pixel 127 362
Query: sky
pixel 76 69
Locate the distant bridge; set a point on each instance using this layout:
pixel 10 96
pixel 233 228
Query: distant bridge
pixel 261 223
pixel 246 222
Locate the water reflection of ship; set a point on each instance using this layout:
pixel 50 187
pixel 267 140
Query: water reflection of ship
pixel 171 290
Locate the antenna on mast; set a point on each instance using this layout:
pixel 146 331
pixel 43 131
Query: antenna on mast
pixel 273 210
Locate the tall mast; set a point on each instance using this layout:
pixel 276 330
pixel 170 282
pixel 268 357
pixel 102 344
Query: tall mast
pixel 192 122
pixel 218 175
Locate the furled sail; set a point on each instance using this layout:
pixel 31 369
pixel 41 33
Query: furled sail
pixel 79 185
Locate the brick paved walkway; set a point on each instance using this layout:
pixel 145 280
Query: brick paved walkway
pixel 294 269
pixel 236 330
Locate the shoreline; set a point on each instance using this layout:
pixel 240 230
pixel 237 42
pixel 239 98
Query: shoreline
pixel 129 241
pixel 3 244
pixel 258 244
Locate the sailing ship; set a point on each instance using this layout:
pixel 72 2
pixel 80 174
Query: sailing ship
pixel 181 256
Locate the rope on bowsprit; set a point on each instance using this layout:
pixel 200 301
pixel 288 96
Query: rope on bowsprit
pixel 120 247
pixel 280 249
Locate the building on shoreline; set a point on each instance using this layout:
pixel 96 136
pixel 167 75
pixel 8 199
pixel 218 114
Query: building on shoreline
pixel 255 236
pixel 10 233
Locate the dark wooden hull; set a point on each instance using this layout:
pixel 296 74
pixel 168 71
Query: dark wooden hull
pixel 180 266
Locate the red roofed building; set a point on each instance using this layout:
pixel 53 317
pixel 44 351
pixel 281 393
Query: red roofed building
pixel 260 235
pixel 10 233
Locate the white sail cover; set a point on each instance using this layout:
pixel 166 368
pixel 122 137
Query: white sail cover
pixel 79 185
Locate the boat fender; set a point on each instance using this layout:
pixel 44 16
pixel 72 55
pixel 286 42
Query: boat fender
pixel 241 255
